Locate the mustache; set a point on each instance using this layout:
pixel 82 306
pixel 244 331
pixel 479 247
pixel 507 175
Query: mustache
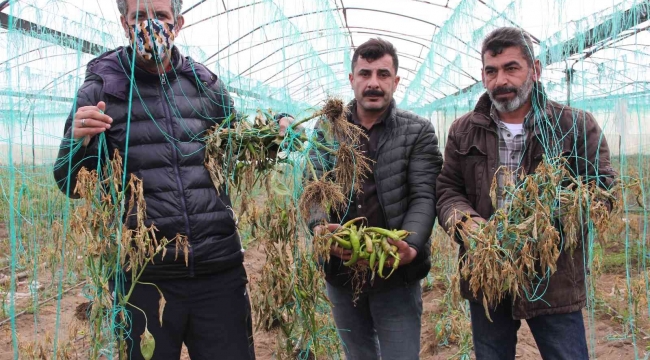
pixel 504 90
pixel 373 93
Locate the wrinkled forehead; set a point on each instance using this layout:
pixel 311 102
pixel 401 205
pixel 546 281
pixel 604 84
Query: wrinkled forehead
pixel 507 56
pixel 143 9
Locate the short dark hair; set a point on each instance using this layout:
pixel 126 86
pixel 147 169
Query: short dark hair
pixel 506 37
pixel 374 49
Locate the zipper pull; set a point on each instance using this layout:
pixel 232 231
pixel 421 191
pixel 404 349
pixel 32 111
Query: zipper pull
pixel 164 81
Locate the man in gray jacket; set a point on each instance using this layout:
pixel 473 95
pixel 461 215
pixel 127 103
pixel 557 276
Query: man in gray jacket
pixel 399 193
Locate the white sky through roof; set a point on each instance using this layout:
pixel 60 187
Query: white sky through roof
pixel 299 51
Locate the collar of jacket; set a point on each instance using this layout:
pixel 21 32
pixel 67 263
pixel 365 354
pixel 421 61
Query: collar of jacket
pixel 539 99
pixel 114 68
pixel 389 121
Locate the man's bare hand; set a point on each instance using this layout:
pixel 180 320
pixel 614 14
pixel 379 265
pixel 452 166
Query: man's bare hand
pixel 323 230
pixel 89 121
pixel 472 225
pixel 284 123
pixel 406 253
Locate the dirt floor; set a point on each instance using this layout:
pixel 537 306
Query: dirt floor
pixel 606 327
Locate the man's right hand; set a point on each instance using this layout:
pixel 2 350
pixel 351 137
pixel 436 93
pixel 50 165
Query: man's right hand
pixel 472 225
pixel 90 121
pixel 323 230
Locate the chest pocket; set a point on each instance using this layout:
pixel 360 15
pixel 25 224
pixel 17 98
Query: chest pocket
pixel 550 151
pixel 473 164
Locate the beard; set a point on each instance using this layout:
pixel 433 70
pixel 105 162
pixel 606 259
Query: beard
pixel 521 96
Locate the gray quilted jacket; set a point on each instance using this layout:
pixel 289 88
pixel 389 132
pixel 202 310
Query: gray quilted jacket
pixel 407 166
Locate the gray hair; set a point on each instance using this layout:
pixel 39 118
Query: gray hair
pixel 177 5
pixel 506 37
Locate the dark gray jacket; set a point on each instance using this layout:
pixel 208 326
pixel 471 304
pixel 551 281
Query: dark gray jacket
pixel 165 148
pixel 407 165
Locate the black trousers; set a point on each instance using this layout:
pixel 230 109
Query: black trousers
pixel 210 314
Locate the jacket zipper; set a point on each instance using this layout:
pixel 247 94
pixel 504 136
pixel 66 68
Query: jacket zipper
pixel 382 140
pixel 179 182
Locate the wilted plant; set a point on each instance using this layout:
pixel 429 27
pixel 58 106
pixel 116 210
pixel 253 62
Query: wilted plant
pixel 113 248
pixel 520 244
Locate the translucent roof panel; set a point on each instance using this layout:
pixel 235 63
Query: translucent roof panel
pixel 292 54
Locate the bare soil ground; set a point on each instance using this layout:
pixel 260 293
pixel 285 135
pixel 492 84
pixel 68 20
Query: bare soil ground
pixel 604 328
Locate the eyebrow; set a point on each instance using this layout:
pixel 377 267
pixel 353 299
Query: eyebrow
pixel 508 64
pixel 143 14
pixel 378 70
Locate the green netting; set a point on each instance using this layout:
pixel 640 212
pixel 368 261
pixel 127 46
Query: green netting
pixel 285 56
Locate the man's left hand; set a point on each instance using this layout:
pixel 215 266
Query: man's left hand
pixel 284 123
pixel 406 253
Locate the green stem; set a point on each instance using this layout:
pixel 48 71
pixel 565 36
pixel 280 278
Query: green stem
pixel 135 278
pixel 146 322
pixel 318 145
pixel 295 124
pixel 311 167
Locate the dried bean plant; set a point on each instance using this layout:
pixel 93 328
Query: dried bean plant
pixel 113 250
pixel 520 244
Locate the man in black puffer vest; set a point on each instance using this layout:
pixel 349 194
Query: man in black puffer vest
pixel 399 193
pixel 158 123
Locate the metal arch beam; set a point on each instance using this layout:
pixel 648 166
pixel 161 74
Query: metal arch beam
pixel 326 29
pixel 49 35
pixel 312 13
pixel 65 40
pixel 221 13
pixel 432 4
pixel 25 53
pixel 425 46
pixel 301 74
pixel 260 27
pixel 345 18
pixel 641 11
pixel 193 7
pixel 417 59
pixel 429 91
pixel 302 57
pixel 395 14
pixel 287 18
pixel 536 40
pixel 592 37
pixel 33 96
pixel 310 39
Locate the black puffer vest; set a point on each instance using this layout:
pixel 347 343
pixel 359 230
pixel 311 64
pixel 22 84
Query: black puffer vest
pixel 159 126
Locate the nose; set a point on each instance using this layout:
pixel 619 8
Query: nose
pixel 373 82
pixel 502 79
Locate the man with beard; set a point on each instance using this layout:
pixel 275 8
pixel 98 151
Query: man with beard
pixel 398 193
pixel 513 126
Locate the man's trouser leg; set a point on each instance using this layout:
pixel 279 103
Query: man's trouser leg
pixel 397 315
pixel 354 324
pixel 386 323
pixel 220 324
pixel 560 336
pixel 496 339
pixel 169 336
pixel 210 314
